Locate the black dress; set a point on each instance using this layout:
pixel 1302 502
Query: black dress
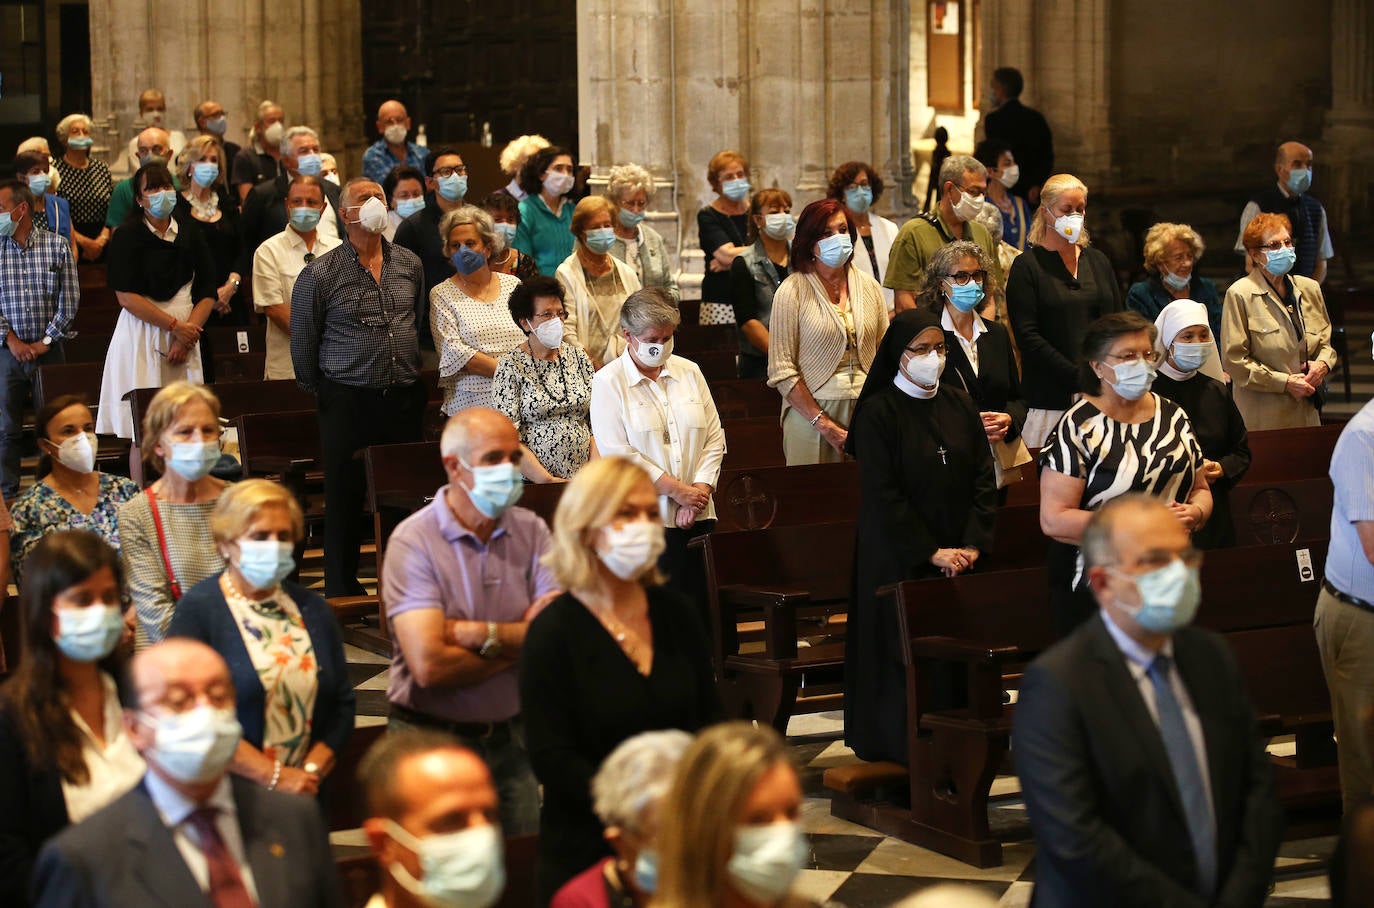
pixel 1220 430
pixel 581 697
pixel 713 231
pixel 926 483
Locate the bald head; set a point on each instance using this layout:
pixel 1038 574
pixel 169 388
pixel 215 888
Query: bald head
pixel 177 669
pixel 393 122
pixel 1293 166
pixel 469 432
pixel 1291 150
pixel 155 142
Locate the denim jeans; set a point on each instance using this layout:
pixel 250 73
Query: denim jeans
pixel 17 382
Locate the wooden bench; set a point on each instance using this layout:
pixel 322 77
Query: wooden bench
pixel 752 442
pixel 1283 454
pixel 689 340
pixel 737 398
pixel 761 497
pixel 61 379
pixel 715 365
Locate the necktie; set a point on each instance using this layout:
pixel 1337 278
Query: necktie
pixel 226 885
pixel 1187 774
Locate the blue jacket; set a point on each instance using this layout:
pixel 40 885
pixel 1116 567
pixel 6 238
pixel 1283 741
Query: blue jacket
pixel 59 212
pixel 1148 297
pixel 204 615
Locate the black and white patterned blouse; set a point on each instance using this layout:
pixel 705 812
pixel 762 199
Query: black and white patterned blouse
pixel 550 403
pixel 87 189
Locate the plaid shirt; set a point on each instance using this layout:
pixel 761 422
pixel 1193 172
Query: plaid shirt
pixel 346 328
pixel 39 290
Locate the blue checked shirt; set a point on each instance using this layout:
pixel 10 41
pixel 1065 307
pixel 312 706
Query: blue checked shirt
pixel 39 290
pixel 378 161
pixel 1352 475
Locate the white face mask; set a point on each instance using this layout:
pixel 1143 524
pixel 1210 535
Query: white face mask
pixel 395 133
pixel 968 206
pixel 557 183
pixel 767 860
pixel 651 356
pixel 630 550
pixel 549 333
pixel 196 746
pixel 372 215
pixel 925 370
pixel 1069 226
pixel 464 869
pixel 1009 175
pixel 78 452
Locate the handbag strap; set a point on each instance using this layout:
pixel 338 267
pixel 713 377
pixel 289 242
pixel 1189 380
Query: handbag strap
pixel 162 545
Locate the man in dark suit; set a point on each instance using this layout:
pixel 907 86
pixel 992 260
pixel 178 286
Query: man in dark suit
pixel 1136 746
pixel 264 210
pixel 1024 129
pixel 189 834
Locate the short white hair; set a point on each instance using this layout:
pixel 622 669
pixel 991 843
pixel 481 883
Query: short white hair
pixel 264 107
pixel 636 776
pixel 518 151
pixel 64 125
pixel 34 143
pixel 627 178
pixel 285 146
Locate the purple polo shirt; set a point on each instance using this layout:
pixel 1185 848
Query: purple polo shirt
pixel 433 561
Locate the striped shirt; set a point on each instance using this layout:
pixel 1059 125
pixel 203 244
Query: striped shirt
pixel 348 329
pixel 1352 474
pixel 39 290
pixel 190 548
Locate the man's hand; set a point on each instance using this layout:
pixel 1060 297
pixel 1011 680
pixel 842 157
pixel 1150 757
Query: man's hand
pixel 468 634
pixel 685 518
pixel 223 295
pixel 20 350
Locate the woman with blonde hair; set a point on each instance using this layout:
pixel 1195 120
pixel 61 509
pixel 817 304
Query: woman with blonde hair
pixel 1172 252
pixel 735 839
pixel 1056 288
pixel 206 199
pixel 596 282
pixel 637 244
pixel 614 656
pixel 513 158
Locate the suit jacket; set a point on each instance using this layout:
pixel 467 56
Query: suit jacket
pixel 264 216
pixel 32 810
pixel 123 857
pixel 1025 130
pixel 996 386
pixel 1105 810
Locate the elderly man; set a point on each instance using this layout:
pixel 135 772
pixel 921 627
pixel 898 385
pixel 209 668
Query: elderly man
pixel 152 144
pixel 39 292
pixel 1311 238
pixel 353 315
pixel 463 577
pixel 1142 768
pixel 392 150
pixel 152 111
pixel 190 833
pixel 280 260
pixel 963 186
pixel 433 822
pixel 264 210
pixel 1023 129
pixel 211 121
pixel 261 161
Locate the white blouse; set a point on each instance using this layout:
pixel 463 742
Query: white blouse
pixel 115 767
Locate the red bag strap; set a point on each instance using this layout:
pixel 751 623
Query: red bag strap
pixel 162 545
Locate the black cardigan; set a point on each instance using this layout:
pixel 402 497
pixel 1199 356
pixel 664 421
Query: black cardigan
pixel 141 262
pixel 32 810
pixel 997 385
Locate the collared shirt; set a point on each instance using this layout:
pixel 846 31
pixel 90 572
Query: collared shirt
pixel 970 346
pixel 169 236
pixel 39 290
pixel 347 328
pixel 434 562
pixel 1138 661
pixel 276 265
pixel 115 766
pixel 1326 251
pixel 666 426
pixel 1352 474
pixel 378 161
pixel 175 809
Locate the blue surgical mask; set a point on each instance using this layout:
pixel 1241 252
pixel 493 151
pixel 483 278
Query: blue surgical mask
pixel 1169 597
pixel 464 869
pixel 507 231
pixel 1191 357
pixel 1279 262
pixel 767 860
pixel 735 190
pixel 264 563
pixel 495 487
pixel 468 260
pixel 1299 181
pixel 7 224
pixel 204 172
pixel 193 460
pixel 834 251
pixel 305 219
pixel 858 198
pixel 406 207
pixel 80 143
pixel 646 871
pixel 1133 379
pixel 630 218
pixel 600 239
pixel 88 634
pixel 779 225
pixel 161 203
pixel 309 164
pixel 39 183
pixel 453 187
pixel 965 297
pixel 1173 281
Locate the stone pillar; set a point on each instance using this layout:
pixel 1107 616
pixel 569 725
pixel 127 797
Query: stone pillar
pixel 1070 83
pixel 1348 155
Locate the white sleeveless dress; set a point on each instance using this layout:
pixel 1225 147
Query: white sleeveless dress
pixel 137 358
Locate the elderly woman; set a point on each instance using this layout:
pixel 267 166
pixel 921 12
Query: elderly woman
pixel 544 233
pixel 1058 287
pixel 86 185
pixel 73 494
pixel 1185 342
pixel 1172 252
pixel 166 543
pixel 596 282
pixel 756 274
pixel 207 201
pixel 505 212
pixel 736 837
pixel 163 275
pixel 544 386
pixel 670 428
pixel 1118 438
pixel 723 226
pixel 637 244
pixel 616 655
pixel 51 212
pixel 858 186
pixel 1275 333
pixel 828 318
pixel 513 158
pixel 280 640
pixel 404 187
pixel 469 312
pixel 64 753
pixel 626 792
pixel 928 498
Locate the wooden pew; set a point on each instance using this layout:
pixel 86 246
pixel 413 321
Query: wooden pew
pixel 235 399
pixel 282 445
pixel 695 338
pixel 752 442
pixel 60 379
pixel 1279 454
pixel 1279 511
pixel 761 497
pixel 715 365
pixel 737 398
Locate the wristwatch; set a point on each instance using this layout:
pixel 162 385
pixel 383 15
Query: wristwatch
pixel 311 767
pixel 492 648
pixel 47 340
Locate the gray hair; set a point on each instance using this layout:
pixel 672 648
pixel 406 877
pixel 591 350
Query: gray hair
pixel 636 776
pixel 482 222
pixel 285 145
pixel 36 144
pixel 346 193
pixel 518 151
pixel 64 125
pixel 956 165
pixel 651 307
pixel 627 178
pixel 932 295
pixel 263 108
pixel 1099 550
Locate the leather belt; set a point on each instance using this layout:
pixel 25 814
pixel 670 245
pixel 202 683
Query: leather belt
pixel 1347 598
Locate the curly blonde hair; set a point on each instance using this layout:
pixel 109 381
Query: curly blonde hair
pixel 518 151
pixel 1162 235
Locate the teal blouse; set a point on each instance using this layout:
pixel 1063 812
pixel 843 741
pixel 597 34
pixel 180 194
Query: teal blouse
pixel 544 236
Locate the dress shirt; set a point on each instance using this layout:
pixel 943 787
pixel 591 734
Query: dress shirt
pixel 348 329
pixel 1138 660
pixel 666 426
pixel 276 265
pixel 39 290
pixel 115 766
pixel 378 161
pixel 970 346
pixel 1352 474
pixel 434 562
pixel 1325 251
pixel 175 809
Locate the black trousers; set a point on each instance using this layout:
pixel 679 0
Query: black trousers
pixel 352 419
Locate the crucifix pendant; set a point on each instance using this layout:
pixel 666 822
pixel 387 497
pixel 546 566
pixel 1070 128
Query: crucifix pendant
pixel 942 452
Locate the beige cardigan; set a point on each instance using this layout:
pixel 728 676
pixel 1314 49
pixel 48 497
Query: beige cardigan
pixel 806 335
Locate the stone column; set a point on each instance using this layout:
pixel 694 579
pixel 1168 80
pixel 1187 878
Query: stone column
pixel 1348 155
pixel 1069 82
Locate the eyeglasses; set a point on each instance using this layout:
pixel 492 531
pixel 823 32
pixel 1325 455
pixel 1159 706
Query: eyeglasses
pixel 963 277
pixel 1134 356
pixel 1276 245
pixel 925 349
pixel 442 172
pixel 547 316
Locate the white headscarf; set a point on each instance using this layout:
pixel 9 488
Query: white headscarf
pixel 1179 316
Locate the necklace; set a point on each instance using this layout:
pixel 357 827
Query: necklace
pixel 832 290
pixel 562 374
pixel 75 493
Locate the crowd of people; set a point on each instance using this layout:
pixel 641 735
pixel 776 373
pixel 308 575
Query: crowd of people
pixel 558 679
